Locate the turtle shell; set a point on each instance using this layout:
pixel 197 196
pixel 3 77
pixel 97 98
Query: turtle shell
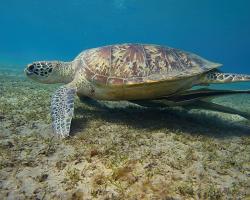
pixel 141 63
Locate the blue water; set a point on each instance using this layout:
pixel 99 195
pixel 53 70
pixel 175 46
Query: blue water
pixel 120 152
pixel 43 30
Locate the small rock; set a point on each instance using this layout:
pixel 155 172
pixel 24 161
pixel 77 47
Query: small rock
pixel 42 178
pixel 77 195
pixel 94 152
pixel 10 144
pixel 7 143
pixel 60 165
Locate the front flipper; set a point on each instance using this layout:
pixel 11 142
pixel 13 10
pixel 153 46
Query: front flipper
pixel 62 110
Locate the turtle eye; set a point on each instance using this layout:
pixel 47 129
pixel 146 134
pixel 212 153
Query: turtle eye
pixel 31 68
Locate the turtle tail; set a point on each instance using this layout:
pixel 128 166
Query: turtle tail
pixel 215 76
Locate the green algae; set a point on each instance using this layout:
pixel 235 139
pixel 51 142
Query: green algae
pixel 72 177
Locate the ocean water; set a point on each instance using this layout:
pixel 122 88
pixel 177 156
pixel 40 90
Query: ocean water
pixel 119 150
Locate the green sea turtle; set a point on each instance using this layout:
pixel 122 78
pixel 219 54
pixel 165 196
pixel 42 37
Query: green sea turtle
pixel 141 73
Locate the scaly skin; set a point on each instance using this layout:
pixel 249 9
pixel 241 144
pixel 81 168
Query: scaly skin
pixel 217 77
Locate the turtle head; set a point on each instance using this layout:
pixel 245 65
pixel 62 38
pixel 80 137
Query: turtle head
pixel 50 71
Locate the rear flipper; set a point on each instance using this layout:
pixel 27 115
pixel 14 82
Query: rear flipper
pixel 62 110
pixel 215 76
pixel 190 96
pixel 196 99
pixel 216 107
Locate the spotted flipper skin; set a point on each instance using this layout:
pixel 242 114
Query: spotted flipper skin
pixel 62 110
pixel 215 76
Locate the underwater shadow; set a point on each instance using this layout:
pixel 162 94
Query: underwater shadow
pixel 152 119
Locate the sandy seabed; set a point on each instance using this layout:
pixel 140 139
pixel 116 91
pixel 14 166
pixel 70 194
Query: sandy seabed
pixel 119 151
